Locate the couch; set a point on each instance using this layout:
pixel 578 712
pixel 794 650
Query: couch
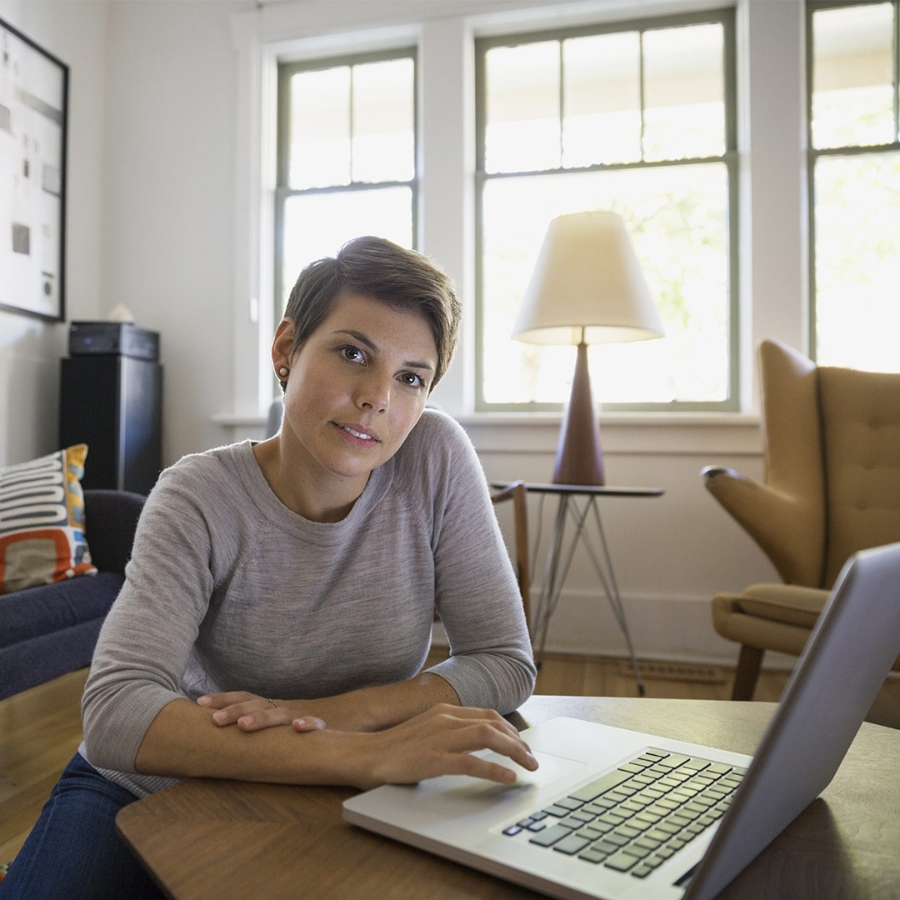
pixel 49 630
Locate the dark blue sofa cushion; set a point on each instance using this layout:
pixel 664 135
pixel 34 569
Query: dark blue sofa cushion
pixel 54 607
pixel 30 663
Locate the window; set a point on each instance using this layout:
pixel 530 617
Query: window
pixel 637 118
pixel 346 158
pixel 854 170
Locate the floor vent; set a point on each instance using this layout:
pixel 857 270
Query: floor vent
pixel 675 671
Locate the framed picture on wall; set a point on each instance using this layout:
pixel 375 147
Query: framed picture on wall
pixel 34 89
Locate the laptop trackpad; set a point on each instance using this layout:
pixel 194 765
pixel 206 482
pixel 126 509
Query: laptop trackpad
pixel 550 768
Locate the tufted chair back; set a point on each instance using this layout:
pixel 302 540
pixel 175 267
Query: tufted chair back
pixel 832 463
pixel 860 415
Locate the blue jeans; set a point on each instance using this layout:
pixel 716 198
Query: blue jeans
pixel 73 852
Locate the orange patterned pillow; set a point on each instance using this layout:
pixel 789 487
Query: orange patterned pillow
pixel 42 537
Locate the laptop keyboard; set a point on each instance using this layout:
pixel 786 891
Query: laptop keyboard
pixel 639 815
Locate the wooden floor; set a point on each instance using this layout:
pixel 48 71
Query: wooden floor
pixel 40 729
pixel 592 676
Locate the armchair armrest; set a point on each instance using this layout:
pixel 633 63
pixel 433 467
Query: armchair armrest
pixel 786 528
pixel 730 487
pixel 110 522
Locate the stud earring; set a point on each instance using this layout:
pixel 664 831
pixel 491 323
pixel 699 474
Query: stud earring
pixel 283 372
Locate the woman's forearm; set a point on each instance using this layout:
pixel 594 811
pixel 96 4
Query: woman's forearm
pixel 183 741
pixel 367 709
pixel 188 739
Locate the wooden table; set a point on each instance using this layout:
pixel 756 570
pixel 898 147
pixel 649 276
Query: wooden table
pixel 233 840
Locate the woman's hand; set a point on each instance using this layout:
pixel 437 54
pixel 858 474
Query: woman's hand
pixel 441 741
pixel 250 712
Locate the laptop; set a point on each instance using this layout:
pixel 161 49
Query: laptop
pixel 616 814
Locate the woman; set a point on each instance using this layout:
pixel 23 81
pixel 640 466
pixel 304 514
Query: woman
pixel 278 606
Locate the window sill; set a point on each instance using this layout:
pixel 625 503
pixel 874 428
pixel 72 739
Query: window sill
pixel 635 434
pixel 637 419
pixel 233 420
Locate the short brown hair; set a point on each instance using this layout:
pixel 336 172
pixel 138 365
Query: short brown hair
pixel 377 268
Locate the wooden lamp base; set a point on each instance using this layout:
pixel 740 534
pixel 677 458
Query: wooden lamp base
pixel 579 459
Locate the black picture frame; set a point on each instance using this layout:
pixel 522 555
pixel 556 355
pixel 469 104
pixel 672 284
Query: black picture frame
pixel 34 97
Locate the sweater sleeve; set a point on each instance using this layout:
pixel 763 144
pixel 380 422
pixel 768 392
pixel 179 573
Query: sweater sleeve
pixel 146 642
pixel 491 664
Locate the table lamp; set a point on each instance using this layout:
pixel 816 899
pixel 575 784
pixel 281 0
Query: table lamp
pixel 587 287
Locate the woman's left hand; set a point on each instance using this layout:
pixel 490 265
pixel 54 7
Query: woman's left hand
pixel 250 712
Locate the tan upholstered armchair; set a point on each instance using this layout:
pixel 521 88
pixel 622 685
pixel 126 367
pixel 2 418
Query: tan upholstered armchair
pixel 832 487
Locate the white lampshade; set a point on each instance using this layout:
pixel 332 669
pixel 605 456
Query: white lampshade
pixel 587 286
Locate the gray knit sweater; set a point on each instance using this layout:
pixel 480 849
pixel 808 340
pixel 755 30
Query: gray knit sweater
pixel 227 589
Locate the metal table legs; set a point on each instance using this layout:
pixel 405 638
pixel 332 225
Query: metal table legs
pixel 557 568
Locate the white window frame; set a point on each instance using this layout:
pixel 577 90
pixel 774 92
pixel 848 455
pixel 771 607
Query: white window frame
pixel 285 190
pixel 842 151
pixel 771 146
pixel 727 158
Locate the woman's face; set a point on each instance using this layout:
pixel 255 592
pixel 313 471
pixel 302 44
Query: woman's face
pixel 356 387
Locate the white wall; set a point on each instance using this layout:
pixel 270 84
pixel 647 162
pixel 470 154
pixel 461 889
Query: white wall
pixel 168 199
pixel 149 206
pixel 30 349
pixel 157 220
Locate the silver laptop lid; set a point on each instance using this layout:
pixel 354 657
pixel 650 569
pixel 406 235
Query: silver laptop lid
pixel 846 659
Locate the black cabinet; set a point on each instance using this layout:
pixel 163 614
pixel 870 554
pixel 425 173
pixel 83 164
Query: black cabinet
pixel 114 405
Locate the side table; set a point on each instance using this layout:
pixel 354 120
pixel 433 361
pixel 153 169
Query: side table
pixel 578 502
